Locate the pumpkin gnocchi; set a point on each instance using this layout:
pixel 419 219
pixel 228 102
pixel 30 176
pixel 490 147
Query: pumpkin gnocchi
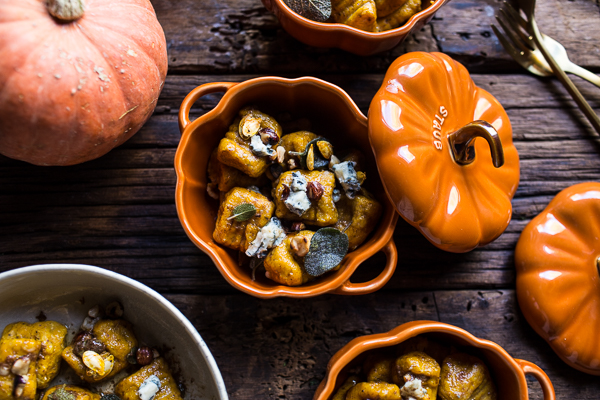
pixel 277 193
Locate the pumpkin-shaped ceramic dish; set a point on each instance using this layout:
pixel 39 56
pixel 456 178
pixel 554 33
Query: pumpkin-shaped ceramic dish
pixel 507 373
pixel 353 40
pixel 444 151
pixel 558 275
pixel 331 113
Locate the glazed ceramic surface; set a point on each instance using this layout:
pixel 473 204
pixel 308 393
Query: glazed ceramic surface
pixel 65 293
pixel 424 98
pixel 558 286
pixel 330 113
pixel 353 40
pixel 508 373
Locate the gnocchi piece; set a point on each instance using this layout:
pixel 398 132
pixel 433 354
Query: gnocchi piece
pixel 247 144
pixel 238 235
pixel 226 177
pixel 284 265
pixel 296 142
pixel 418 375
pixel 374 391
pixel 132 387
pixel 379 368
pixel 398 17
pixel 357 217
pixel 343 390
pixel 321 210
pixel 386 7
pixel 361 14
pixel 52 337
pixel 103 353
pixel 18 361
pixel 464 377
pixel 62 392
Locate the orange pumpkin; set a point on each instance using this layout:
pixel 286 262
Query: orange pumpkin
pixel 451 187
pixel 79 82
pixel 558 287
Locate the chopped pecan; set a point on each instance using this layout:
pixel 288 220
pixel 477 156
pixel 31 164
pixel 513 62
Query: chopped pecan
pixel 285 193
pixel 297 226
pixel 268 136
pixel 144 355
pixel 300 245
pixel 314 191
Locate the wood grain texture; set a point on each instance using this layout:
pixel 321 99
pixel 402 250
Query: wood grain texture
pixel 118 211
pixel 280 349
pixel 241 36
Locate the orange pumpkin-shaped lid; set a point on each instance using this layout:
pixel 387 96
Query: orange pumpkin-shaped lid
pixel 558 286
pixel 455 189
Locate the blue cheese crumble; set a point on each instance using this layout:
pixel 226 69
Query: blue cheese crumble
pixel 346 175
pixel 149 388
pixel 298 201
pixel 270 235
pixel 299 182
pixel 413 390
pixel 259 148
pixel 337 195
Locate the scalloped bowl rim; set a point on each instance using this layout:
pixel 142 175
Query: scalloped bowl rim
pixel 400 334
pixel 355 258
pixel 335 26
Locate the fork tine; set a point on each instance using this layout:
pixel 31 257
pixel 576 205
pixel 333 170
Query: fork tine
pixel 516 26
pixel 515 15
pixel 514 38
pixel 518 55
pixel 521 57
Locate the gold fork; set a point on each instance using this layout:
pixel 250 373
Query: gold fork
pixel 522 48
pixel 532 34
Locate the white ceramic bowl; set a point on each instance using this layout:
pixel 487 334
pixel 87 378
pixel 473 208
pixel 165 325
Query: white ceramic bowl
pixel 65 292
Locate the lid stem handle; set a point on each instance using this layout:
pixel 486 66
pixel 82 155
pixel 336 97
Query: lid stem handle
pixel 462 143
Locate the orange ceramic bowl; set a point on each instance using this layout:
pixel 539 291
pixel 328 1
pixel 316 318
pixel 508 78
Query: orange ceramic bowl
pixel 331 113
pixel 508 373
pixel 345 37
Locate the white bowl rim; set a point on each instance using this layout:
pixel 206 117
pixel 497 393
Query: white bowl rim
pixel 214 369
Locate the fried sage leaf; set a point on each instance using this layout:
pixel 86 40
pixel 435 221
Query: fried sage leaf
pixel 328 247
pixel 312 158
pixel 316 10
pixel 243 212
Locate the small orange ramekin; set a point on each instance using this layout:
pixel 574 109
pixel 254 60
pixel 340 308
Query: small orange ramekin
pixel 333 114
pixel 345 37
pixel 508 373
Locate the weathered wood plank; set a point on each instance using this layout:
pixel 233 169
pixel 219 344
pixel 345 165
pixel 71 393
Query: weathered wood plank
pixel 241 36
pixel 280 348
pixel 118 211
pixel 513 91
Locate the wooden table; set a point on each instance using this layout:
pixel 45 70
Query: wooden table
pixel 118 212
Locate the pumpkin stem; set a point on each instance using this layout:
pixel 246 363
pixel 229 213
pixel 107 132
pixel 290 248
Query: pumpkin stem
pixel 66 10
pixel 462 143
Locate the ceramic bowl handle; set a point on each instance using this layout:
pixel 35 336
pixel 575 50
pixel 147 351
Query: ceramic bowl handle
pixel 375 284
pixel 535 371
pixel 194 95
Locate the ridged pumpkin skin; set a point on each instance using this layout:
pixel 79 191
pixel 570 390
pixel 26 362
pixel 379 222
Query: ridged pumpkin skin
pixel 72 91
pixel 424 98
pixel 558 282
